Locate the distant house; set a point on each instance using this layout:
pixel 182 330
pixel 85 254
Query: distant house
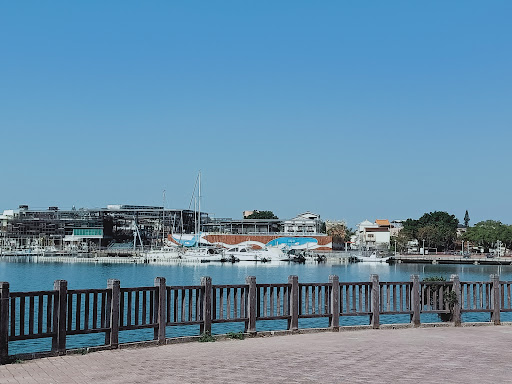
pixel 373 235
pixel 306 223
pixel 396 227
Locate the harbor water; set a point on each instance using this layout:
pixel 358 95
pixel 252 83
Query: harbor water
pixel 30 276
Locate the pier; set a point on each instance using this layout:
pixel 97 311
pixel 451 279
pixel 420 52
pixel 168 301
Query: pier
pixel 453 259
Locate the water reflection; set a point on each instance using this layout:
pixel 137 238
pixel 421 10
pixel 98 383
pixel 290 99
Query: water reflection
pixel 40 276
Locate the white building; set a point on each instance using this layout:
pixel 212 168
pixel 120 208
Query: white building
pixel 306 223
pixel 373 235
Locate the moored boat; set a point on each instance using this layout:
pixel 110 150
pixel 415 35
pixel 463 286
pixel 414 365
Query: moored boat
pixel 248 254
pixel 373 258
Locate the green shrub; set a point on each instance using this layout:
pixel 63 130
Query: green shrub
pixel 434 278
pixel 206 338
pixel 235 335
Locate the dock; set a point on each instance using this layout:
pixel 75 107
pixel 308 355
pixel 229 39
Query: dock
pixel 453 259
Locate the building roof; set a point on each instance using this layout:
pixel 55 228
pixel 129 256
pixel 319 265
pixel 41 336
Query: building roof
pixel 366 223
pixel 380 229
pixel 306 216
pixel 382 223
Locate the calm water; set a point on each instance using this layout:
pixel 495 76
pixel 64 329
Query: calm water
pixel 40 276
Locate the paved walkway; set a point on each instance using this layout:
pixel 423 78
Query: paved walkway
pixel 448 355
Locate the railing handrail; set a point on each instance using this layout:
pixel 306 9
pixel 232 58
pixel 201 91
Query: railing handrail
pixel 62 311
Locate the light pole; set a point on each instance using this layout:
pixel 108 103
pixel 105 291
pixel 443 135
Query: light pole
pixel 423 247
pixel 395 248
pixel 462 248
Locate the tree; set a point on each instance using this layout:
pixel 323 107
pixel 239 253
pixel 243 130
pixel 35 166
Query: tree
pixel 438 229
pixel 340 233
pixel 401 242
pixel 349 233
pixel 466 219
pixel 487 233
pixel 262 215
pixel 337 232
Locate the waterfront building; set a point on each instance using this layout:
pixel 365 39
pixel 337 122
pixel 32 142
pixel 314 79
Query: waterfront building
pixel 306 223
pixel 373 236
pixel 243 226
pixel 84 228
pixel 123 226
pixel 301 232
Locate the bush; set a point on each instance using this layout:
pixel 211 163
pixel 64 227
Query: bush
pixel 235 335
pixel 449 298
pixel 206 338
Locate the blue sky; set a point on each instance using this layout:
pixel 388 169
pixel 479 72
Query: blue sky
pixel 351 109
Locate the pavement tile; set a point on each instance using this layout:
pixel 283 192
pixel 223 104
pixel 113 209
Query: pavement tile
pixel 450 355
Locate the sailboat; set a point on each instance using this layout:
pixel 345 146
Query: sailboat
pixel 167 251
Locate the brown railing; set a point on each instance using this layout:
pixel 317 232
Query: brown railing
pixel 395 298
pixel 433 296
pixel 61 312
pixel 184 305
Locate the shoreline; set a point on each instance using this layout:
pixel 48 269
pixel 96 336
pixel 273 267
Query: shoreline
pixel 92 258
pixel 452 259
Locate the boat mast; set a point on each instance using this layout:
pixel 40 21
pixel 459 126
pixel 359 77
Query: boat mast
pixel 195 221
pixel 163 218
pixel 199 206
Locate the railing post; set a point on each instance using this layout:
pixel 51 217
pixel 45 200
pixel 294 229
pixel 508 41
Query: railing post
pixel 59 316
pixel 4 321
pixel 456 317
pixel 496 295
pixel 293 322
pixel 115 286
pixel 160 309
pixel 334 320
pixel 375 319
pixel 415 301
pixel 252 300
pixel 206 325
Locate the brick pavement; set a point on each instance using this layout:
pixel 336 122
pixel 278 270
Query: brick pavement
pixel 448 355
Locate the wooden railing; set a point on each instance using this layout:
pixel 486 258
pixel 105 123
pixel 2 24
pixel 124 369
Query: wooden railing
pixel 60 312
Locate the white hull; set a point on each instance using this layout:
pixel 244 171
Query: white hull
pixel 372 259
pixel 203 254
pixel 248 254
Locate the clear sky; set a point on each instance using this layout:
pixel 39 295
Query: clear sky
pixel 351 109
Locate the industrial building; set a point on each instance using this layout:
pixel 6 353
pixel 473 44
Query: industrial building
pixel 92 228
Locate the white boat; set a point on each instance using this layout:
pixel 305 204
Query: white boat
pixel 373 258
pixel 164 253
pixel 204 254
pixel 248 254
